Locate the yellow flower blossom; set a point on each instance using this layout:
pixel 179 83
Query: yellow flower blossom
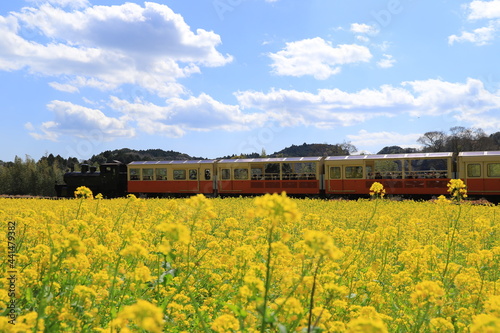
pixel 457 189
pixel 321 244
pixel 485 323
pixel 377 190
pixel 142 314
pixel 83 192
pixel 427 292
pixel 225 323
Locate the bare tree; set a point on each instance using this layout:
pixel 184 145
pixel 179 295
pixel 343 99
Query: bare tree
pixel 433 141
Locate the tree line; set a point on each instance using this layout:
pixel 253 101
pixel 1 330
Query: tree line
pixel 30 177
pixel 37 178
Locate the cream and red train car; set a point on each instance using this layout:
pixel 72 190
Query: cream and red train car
pixel 171 177
pixel 400 174
pixel 416 174
pixel 480 170
pixel 294 175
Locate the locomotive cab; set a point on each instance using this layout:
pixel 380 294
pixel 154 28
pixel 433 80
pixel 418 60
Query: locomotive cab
pixel 110 180
pixel 113 179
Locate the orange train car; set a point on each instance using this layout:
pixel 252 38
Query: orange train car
pixel 172 177
pixel 400 174
pixel 480 170
pixel 416 174
pixel 294 175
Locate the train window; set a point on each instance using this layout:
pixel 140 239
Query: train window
pixel 225 174
pixel 335 173
pixel 207 174
pixel 134 174
pixel 193 174
pixel 493 169
pixel 298 170
pixel 107 169
pixel 287 171
pixel 147 174
pixel 369 172
pixel 257 173
pixel 272 171
pixel 241 174
pixel 473 170
pixel 161 174
pixel 179 174
pixel 386 169
pixel 427 168
pixel 354 172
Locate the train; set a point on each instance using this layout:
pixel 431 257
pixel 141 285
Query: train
pixel 403 175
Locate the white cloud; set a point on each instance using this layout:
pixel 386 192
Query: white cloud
pixel 469 103
pixel 105 47
pixel 484 10
pixel 479 36
pixel 179 116
pixel 64 87
pixel 328 108
pixel 78 121
pixel 387 62
pixel 316 57
pixel 62 3
pixel 374 139
pixel 361 28
pixel 437 97
pixel 481 10
pixel 333 107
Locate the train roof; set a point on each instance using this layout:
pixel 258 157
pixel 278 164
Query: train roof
pixel 271 160
pixel 391 156
pixel 171 162
pixel 479 153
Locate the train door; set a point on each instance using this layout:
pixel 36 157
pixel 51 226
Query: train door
pixel 224 179
pixel 474 176
pixel 194 179
pixel 335 183
pixel 207 181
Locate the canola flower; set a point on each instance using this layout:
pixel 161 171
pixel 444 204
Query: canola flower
pixel 84 193
pixel 457 189
pixel 377 190
pixel 267 264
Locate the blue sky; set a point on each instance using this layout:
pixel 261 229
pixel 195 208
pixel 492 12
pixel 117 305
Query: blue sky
pixel 219 77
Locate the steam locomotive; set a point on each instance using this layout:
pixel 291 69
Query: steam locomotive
pixel 110 180
pixel 415 174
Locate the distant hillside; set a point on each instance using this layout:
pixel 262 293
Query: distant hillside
pixel 126 155
pixel 316 149
pixel 304 150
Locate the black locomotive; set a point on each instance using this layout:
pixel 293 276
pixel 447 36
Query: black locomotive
pixel 110 180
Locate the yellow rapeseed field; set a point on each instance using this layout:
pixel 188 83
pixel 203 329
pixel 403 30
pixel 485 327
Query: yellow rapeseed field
pixel 265 264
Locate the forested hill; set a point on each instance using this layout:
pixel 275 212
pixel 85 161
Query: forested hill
pixel 315 149
pixel 126 155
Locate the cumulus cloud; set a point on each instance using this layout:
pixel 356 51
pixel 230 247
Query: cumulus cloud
pixel 333 107
pixel 468 102
pixel 328 108
pixel 484 10
pixel 316 57
pixel 479 36
pixel 480 10
pixel 179 116
pixel 386 62
pixel 105 47
pixel 78 121
pixel 362 28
